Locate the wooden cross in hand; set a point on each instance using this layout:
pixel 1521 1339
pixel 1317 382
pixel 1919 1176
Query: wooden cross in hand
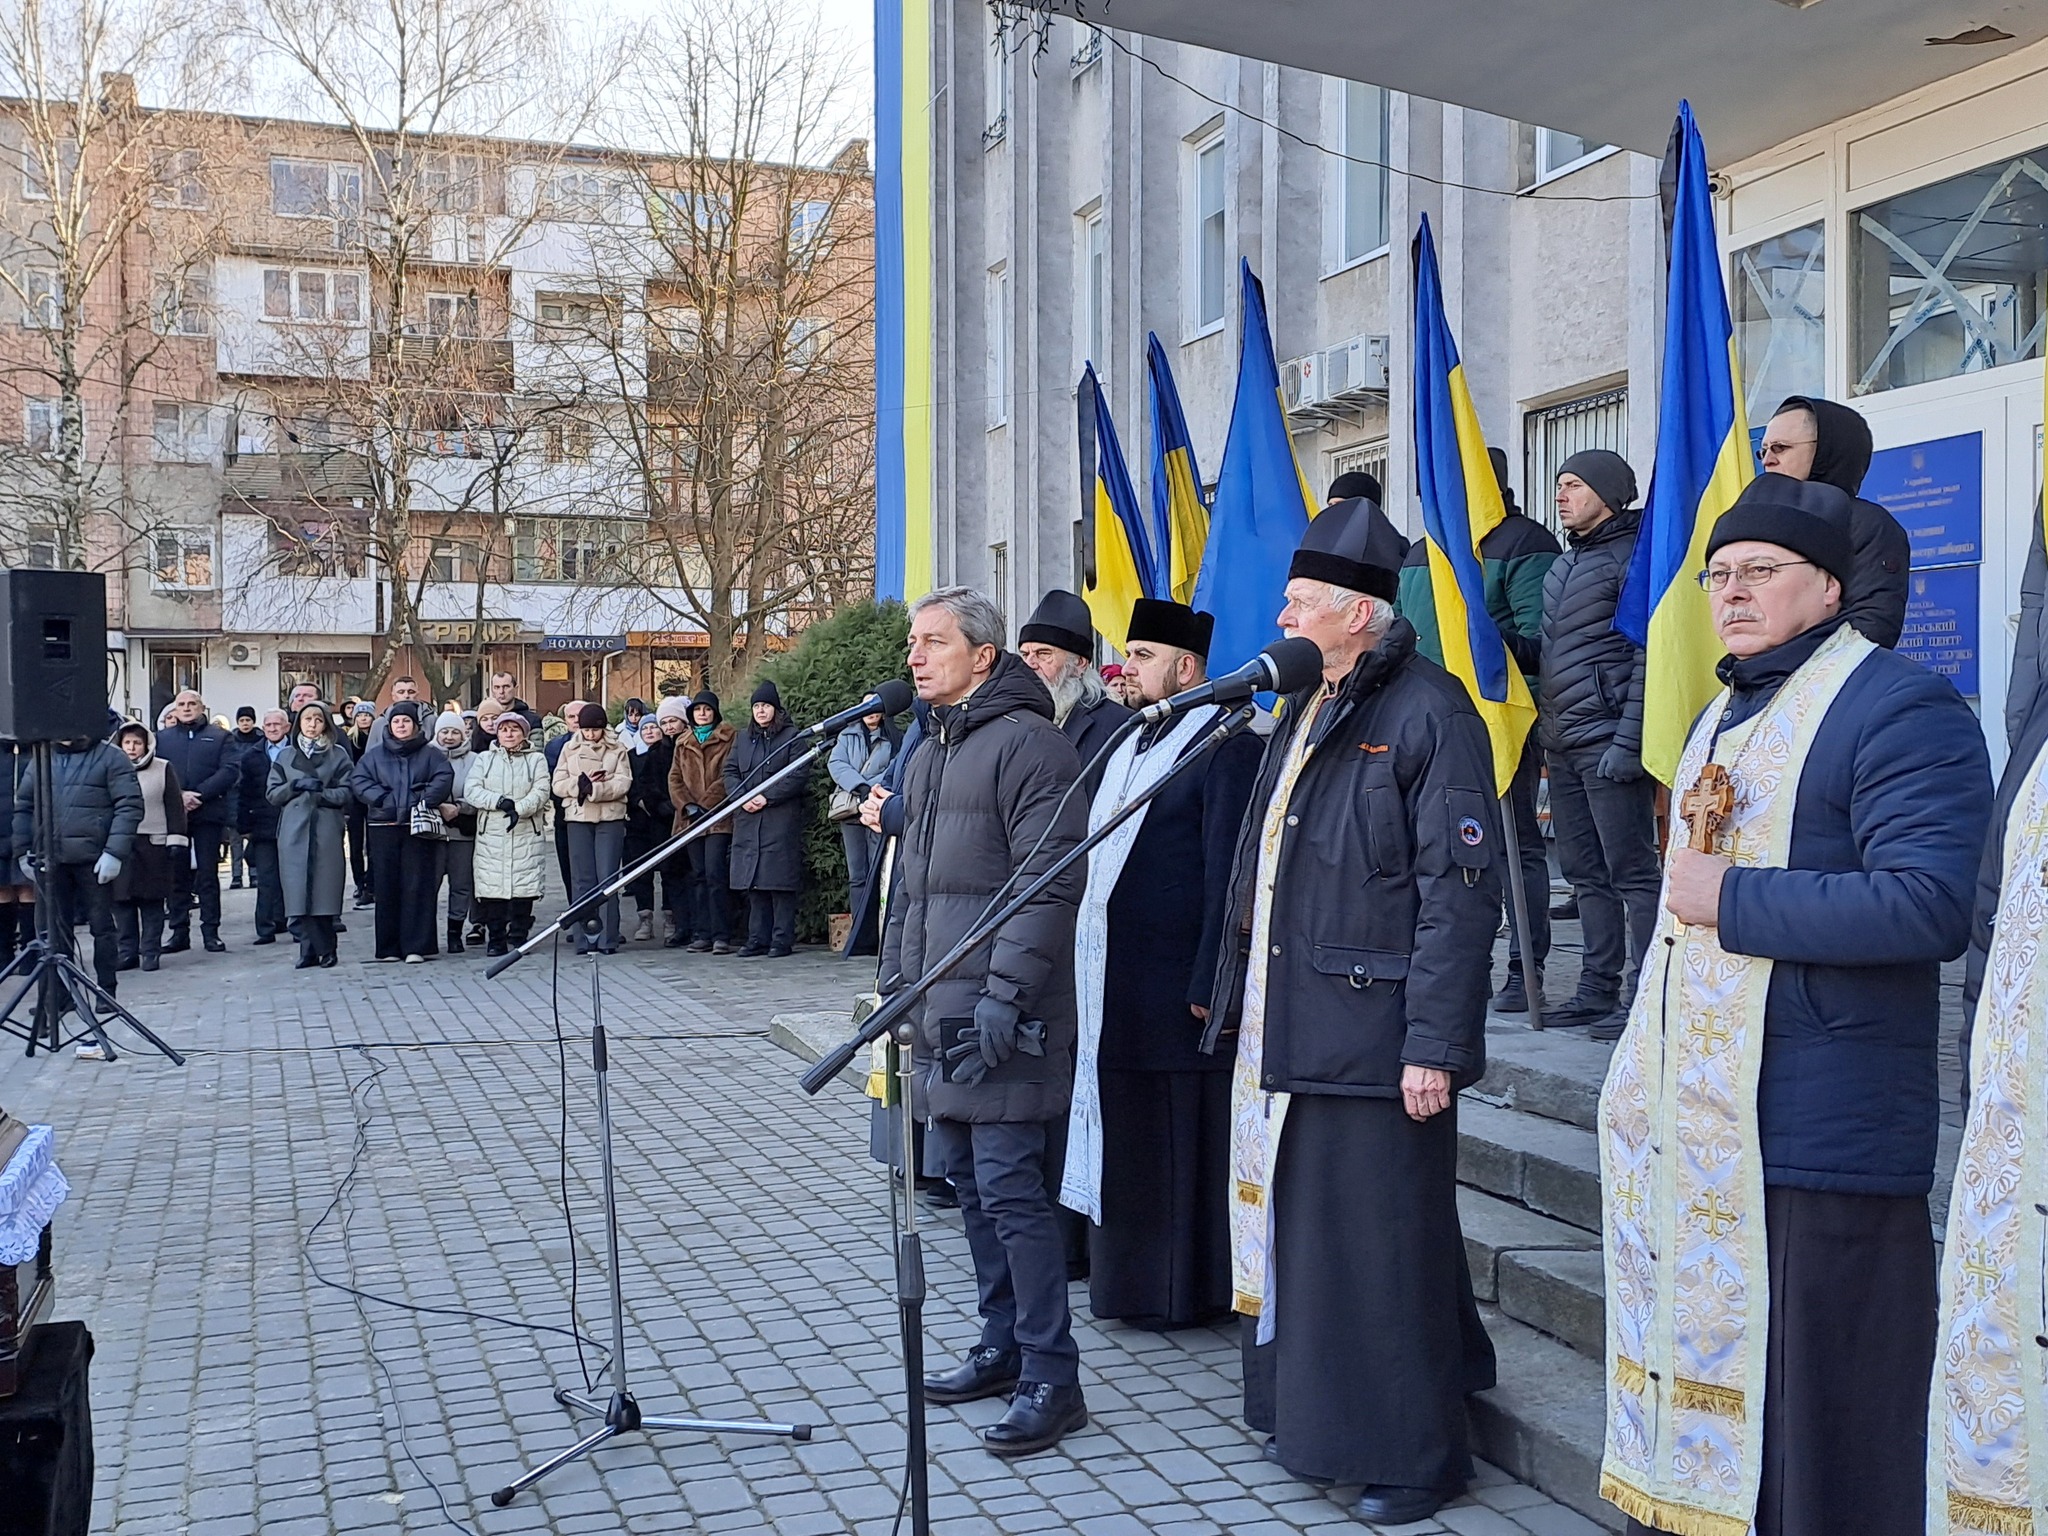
pixel 1692 886
pixel 1709 802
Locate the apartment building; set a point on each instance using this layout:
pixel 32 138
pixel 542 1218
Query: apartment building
pixel 1884 217
pixel 442 406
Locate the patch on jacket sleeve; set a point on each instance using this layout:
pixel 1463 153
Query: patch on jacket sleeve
pixel 1471 847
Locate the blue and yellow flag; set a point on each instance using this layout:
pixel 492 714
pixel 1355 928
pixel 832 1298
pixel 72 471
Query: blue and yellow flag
pixel 1703 462
pixel 1180 517
pixel 1262 504
pixel 1118 558
pixel 1461 505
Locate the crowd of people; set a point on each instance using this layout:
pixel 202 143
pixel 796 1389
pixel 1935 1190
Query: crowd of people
pixel 439 825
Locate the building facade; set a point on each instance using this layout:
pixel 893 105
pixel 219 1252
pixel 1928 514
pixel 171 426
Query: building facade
pixel 1089 187
pixel 451 407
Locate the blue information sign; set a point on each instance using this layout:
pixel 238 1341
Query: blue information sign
pixel 1936 491
pixel 1941 624
pixel 588 644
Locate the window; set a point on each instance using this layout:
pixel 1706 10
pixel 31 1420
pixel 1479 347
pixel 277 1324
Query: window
pixel 573 548
pixel 1780 310
pixel 996 81
pixel 1208 242
pixel 998 346
pixel 457 184
pixel 43 547
pixel 700 215
pixel 1090 50
pixel 807 221
pixel 183 434
pixel 1556 432
pixel 451 314
pixel 807 341
pixel 316 189
pixel 307 293
pixel 184 304
pixel 1555 150
pixel 564 442
pixel 1369 457
pixel 183 560
pixel 1362 178
pixel 450 562
pixel 999 581
pixel 43 300
pixel 1095 291
pixel 1948 279
pixel 443 429
pixel 35 181
pixel 42 426
pixel 177 175
pixel 574 317
pixel 318 547
pixel 577 194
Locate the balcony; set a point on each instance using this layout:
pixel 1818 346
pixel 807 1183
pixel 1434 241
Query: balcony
pixel 330 476
pixel 674 377
pixel 460 363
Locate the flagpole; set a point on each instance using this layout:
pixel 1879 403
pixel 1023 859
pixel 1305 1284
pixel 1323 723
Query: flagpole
pixel 1518 908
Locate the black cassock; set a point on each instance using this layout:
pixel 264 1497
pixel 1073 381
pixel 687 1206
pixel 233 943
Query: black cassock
pixel 1161 1257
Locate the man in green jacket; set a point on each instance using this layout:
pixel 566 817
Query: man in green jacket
pixel 1516 556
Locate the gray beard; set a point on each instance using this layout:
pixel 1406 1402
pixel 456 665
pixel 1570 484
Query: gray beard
pixel 1076 690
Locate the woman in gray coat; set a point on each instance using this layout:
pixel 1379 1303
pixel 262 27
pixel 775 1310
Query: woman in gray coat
pixel 309 786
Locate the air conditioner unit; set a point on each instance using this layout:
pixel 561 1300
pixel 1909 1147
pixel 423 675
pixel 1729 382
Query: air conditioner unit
pixel 1360 363
pixel 1300 381
pixel 242 654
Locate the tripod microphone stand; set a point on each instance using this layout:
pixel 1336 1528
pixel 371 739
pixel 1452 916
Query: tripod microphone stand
pixel 620 1412
pixel 47 965
pixel 894 1019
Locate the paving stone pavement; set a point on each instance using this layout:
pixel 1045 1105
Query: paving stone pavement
pixel 234 1392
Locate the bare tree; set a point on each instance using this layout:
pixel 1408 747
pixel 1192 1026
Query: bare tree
pixel 453 125
pixel 110 214
pixel 740 389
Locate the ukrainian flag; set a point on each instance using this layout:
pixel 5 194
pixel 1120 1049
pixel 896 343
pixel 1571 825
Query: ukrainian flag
pixel 1180 517
pixel 1461 504
pixel 1703 462
pixel 1262 504
pixel 1119 558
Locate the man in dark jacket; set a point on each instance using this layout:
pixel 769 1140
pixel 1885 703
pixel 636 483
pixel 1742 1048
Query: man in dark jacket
pixel 505 689
pixel 256 824
pixel 1870 773
pixel 1515 557
pixel 1364 898
pixel 1148 1140
pixel 247 736
pixel 995 1038
pixel 99 806
pixel 1603 806
pixel 1058 643
pixel 1814 439
pixel 211 770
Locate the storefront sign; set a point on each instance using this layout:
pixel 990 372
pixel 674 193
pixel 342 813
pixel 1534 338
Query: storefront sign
pixel 1941 624
pixel 1936 491
pixel 600 645
pixel 464 631
pixel 668 639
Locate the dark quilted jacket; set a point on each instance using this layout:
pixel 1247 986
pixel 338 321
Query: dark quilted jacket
pixel 99 803
pixel 1592 693
pixel 978 794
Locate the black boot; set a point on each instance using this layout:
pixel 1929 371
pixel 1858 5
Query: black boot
pixel 495 944
pixel 986 1372
pixel 7 946
pixel 1040 1416
pixel 454 935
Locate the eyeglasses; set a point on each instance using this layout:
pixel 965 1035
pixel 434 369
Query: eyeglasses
pixel 1751 573
pixel 1779 450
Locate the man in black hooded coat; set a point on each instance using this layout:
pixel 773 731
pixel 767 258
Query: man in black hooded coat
pixel 1814 439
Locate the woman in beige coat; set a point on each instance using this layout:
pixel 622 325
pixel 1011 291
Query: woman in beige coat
pixel 593 776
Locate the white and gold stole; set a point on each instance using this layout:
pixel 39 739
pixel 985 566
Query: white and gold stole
pixel 1986 1421
pixel 1256 1116
pixel 1681 1164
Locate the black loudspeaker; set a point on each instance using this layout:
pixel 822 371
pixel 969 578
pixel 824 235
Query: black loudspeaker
pixel 53 661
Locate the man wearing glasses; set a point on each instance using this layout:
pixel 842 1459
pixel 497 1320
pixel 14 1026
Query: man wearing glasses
pixel 1767 1129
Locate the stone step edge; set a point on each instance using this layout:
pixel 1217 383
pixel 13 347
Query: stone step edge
pixel 1544 1423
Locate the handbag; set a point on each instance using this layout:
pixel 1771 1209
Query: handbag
pixel 843 806
pixel 427 822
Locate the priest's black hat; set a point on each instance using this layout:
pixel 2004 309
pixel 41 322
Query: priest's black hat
pixel 1176 624
pixel 1060 619
pixel 1808 517
pixel 1351 545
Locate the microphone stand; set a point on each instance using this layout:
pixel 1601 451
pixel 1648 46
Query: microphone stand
pixel 893 1019
pixel 586 905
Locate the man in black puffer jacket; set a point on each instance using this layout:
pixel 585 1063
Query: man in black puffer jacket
pixel 99 806
pixel 996 1037
pixel 210 768
pixel 1590 721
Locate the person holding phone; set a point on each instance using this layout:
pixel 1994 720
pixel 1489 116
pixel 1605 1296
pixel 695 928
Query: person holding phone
pixel 592 780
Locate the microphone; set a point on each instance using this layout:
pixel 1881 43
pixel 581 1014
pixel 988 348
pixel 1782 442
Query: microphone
pixel 892 698
pixel 1285 666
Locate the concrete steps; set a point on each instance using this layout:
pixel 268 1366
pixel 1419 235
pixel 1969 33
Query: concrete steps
pixel 1546 1165
pixel 1546 1421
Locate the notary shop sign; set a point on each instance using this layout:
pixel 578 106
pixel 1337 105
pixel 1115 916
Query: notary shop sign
pixel 601 645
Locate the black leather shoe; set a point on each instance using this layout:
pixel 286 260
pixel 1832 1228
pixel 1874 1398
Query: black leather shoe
pixel 497 947
pixel 306 962
pixel 1272 1453
pixel 264 938
pixel 751 951
pixel 1566 911
pixel 213 944
pixel 938 1194
pixel 679 941
pixel 1609 1029
pixel 128 963
pixel 1384 1504
pixel 1040 1416
pixel 986 1372
pixel 1581 1009
pixel 329 962
pixel 177 944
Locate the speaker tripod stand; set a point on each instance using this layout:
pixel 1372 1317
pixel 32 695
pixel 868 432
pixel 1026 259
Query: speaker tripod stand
pixel 47 965
pixel 620 1412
